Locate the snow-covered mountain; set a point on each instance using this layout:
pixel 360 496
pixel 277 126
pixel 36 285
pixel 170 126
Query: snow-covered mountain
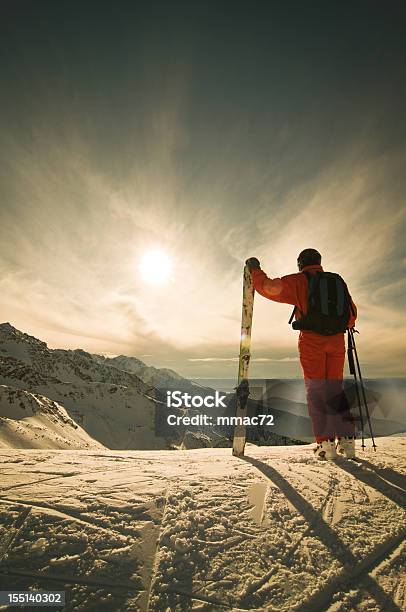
pixel 159 378
pixel 61 365
pixel 114 406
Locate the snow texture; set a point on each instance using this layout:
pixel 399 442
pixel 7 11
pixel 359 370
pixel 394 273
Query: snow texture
pixel 203 530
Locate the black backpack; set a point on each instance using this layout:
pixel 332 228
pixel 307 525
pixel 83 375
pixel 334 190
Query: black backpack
pixel 328 305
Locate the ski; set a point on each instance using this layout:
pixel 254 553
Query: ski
pixel 242 390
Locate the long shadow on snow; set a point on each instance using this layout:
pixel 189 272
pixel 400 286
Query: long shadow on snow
pixel 370 476
pixel 386 473
pixel 331 541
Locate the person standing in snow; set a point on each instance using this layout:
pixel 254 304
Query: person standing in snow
pixel 321 352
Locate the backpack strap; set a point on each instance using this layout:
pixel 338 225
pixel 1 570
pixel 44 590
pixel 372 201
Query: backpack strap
pixel 309 277
pixel 292 315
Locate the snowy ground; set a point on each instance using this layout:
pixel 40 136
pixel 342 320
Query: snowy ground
pixel 202 530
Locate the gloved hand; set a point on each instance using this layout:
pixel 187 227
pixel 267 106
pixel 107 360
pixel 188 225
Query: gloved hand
pixel 253 263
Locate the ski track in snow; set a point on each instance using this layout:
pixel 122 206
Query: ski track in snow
pixel 203 530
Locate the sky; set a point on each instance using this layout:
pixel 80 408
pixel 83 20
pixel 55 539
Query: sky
pixel 210 132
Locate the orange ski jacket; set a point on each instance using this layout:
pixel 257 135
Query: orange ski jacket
pixel 290 289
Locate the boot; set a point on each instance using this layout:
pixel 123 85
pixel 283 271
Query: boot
pixel 346 447
pixel 325 450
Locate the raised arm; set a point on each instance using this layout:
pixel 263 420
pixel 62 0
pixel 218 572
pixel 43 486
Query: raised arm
pixel 282 290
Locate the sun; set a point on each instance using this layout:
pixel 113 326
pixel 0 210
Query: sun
pixel 156 267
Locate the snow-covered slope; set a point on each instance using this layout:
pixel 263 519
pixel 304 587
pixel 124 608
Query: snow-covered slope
pixel 203 530
pixel 29 420
pixel 115 407
pixel 119 401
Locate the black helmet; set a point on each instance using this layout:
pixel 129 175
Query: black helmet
pixel 308 257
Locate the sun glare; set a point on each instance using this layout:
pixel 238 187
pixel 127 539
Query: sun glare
pixel 155 267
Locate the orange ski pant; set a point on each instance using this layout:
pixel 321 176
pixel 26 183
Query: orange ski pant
pixel 322 360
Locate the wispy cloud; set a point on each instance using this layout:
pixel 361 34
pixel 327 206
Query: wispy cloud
pixel 71 275
pixel 80 206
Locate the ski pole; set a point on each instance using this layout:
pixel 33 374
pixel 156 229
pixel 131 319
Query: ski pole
pixel 354 373
pixel 363 390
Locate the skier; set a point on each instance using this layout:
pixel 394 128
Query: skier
pixel 322 352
